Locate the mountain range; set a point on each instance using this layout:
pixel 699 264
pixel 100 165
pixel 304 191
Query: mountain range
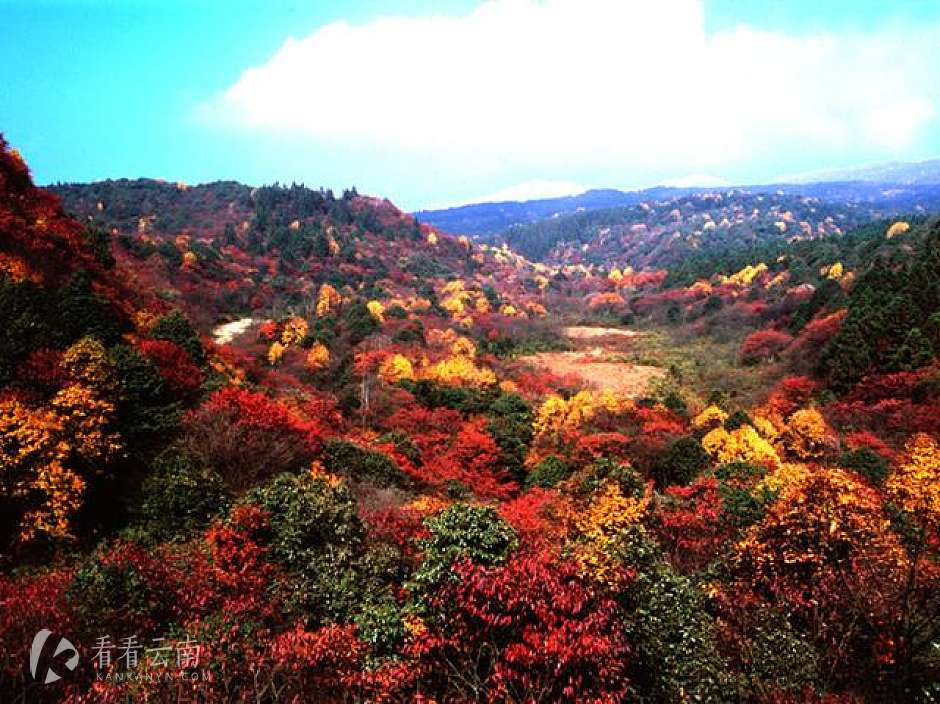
pixel 895 183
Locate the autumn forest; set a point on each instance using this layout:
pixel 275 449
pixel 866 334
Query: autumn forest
pixel 683 450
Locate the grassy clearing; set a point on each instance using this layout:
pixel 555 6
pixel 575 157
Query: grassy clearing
pixel 698 366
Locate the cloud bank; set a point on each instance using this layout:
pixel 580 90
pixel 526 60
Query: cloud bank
pixel 566 86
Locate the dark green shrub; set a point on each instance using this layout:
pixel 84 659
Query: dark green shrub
pixel 359 323
pixel 606 469
pixel 412 332
pixel 180 495
pixel 866 462
pixel 510 425
pixel 145 406
pixel 675 650
pixel 743 507
pixel 396 311
pixel 169 252
pixel 381 626
pixel 681 463
pixel 121 587
pixel 780 660
pixel 80 312
pixel 736 420
pixel 403 444
pixel 461 531
pixel 98 242
pixel 433 395
pixel 27 323
pixel 547 473
pixel 317 537
pixel 175 327
pixel 351 460
pixel 675 403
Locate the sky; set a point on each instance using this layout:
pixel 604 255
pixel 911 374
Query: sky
pixel 441 102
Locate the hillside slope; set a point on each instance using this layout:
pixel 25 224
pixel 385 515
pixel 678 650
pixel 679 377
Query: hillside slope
pixel 418 468
pixel 900 187
pixel 665 233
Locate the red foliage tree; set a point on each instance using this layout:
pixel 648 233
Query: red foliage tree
pixel 688 524
pixel 473 460
pixel 248 436
pixel 174 364
pixel 763 345
pixel 530 516
pixel 791 394
pixel 589 447
pixel 529 630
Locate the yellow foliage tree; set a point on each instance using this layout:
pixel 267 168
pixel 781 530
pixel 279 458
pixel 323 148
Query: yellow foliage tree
pixel 275 353
pixel 914 483
pixel 613 402
pixel 898 228
pixel 460 371
pixel 295 330
pixel 766 427
pixel 746 276
pixel 63 489
pixel 711 417
pixel 463 347
pixel 555 414
pixel 33 451
pixel 395 368
pixel 599 524
pixel 742 444
pixel 377 310
pixel 807 434
pixel 481 305
pixel 86 419
pixel 835 272
pixel 786 475
pixel 318 357
pixel 328 300
pixel 441 338
pixel 827 528
pixel 454 305
pixel 87 362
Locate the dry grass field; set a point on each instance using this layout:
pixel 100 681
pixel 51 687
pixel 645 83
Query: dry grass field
pixel 597 361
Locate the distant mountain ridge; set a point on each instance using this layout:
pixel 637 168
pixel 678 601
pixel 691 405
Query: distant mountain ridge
pixel 895 172
pixel 868 184
pixel 672 232
pixel 485 219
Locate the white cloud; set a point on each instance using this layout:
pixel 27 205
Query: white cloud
pixel 527 190
pixel 692 180
pixel 567 86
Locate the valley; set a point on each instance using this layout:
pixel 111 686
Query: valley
pixel 596 365
pixel 477 352
pixel 363 450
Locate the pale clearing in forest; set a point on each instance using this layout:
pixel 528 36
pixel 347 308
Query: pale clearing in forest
pixel 598 367
pixel 584 332
pixel 225 333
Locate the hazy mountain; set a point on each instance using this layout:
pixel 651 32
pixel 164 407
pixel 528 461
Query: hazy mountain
pixel 895 172
pixel 483 219
pixel 870 184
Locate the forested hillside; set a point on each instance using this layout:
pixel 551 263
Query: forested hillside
pixel 890 188
pixel 709 224
pixel 692 456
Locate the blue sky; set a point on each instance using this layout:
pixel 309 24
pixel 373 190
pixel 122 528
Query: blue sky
pixel 448 101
